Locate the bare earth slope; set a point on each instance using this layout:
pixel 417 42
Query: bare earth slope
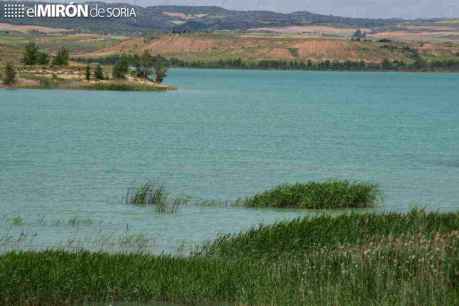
pixel 210 47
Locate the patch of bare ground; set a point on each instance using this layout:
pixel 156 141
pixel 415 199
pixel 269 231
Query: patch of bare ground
pixel 248 48
pixel 312 30
pixel 213 47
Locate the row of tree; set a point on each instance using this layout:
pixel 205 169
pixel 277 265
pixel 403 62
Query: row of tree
pixel 34 56
pixel 418 64
pixel 98 73
pixel 145 66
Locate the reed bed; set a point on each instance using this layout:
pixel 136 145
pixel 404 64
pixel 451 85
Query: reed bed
pixel 331 194
pixel 389 259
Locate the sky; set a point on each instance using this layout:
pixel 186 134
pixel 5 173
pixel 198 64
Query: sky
pixel 352 8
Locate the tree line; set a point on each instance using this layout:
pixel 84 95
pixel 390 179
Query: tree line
pixel 145 66
pixel 34 56
pixel 417 64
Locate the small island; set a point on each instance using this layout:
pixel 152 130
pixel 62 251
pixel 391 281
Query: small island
pixel 40 71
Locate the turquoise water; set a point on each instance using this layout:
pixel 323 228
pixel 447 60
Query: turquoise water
pixel 71 155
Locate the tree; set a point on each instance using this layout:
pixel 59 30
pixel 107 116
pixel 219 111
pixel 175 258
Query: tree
pixel 42 58
pixel 120 69
pixel 62 57
pixel 160 65
pixel 420 63
pixel 88 73
pixel 386 64
pixel 144 65
pixel 358 35
pixel 99 73
pixel 30 54
pixel 161 74
pixel 9 77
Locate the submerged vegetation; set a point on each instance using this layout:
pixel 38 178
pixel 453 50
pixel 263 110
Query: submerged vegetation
pixel 147 194
pixel 318 195
pixel 151 194
pixel 354 259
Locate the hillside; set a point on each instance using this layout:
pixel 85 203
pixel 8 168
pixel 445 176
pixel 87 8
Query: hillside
pixel 195 19
pixel 215 47
pixel 210 34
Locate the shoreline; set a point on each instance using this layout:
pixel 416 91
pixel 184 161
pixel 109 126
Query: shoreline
pixel 91 86
pixel 313 70
pixel 420 65
pixel 369 259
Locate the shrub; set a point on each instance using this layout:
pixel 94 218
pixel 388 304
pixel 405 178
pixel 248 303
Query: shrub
pixel 47 83
pixel 42 58
pixel 9 77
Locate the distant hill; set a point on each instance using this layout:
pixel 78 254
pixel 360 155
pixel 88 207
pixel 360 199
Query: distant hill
pixel 195 19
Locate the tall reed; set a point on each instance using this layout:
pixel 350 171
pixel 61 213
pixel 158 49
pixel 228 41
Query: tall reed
pixel 389 259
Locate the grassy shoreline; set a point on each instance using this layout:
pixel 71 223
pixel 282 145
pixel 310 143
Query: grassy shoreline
pixel 390 259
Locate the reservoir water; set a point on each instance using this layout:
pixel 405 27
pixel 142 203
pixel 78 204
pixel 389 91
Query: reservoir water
pixel 67 158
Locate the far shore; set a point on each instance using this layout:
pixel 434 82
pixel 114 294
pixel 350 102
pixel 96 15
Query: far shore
pixel 72 77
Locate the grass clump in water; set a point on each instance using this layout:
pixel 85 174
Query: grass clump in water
pixel 147 194
pixel 332 194
pixel 151 194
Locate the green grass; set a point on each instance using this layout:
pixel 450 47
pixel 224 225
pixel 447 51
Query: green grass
pixel 297 236
pixel 331 194
pixel 348 260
